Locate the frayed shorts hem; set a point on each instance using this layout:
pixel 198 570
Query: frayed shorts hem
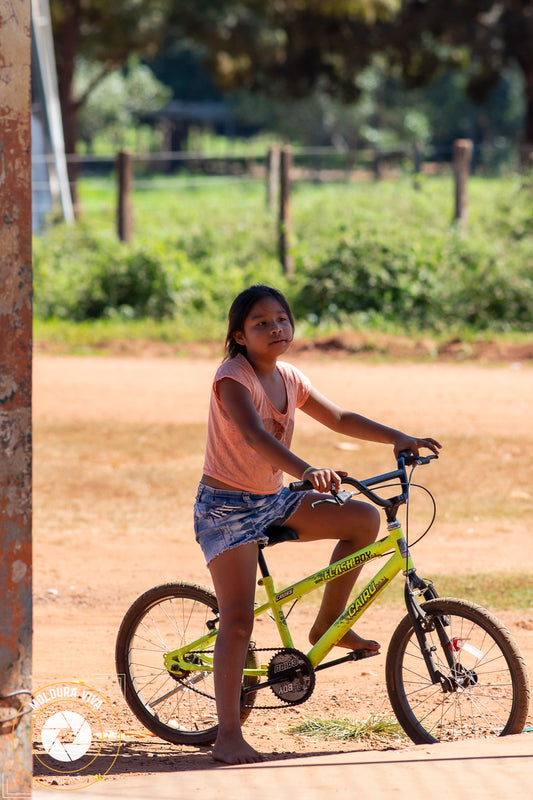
pixel 226 519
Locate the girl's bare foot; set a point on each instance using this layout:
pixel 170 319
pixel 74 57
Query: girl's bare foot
pixel 352 641
pixel 234 750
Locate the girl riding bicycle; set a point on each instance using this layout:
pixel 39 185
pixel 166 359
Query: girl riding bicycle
pixel 241 493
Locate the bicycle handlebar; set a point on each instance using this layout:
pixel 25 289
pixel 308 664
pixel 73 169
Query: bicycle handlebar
pixel 404 460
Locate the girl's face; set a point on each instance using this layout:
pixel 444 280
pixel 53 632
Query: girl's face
pixel 267 329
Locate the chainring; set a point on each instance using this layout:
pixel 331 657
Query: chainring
pixel 292 676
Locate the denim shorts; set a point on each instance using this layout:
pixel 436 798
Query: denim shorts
pixel 225 519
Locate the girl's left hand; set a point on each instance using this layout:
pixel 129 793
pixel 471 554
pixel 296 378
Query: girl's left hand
pixel 412 445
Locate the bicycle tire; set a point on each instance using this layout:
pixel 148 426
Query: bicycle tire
pixel 177 710
pixel 492 694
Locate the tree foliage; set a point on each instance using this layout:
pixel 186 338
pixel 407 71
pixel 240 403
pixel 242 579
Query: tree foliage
pixel 244 38
pixel 287 49
pixel 118 99
pixel 292 48
pixel 481 37
pixel 105 34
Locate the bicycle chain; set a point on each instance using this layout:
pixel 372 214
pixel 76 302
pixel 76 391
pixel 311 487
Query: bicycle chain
pixel 212 697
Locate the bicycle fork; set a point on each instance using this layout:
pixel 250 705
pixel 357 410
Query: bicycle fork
pixel 424 623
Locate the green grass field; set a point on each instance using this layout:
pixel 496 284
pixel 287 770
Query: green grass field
pixel 368 255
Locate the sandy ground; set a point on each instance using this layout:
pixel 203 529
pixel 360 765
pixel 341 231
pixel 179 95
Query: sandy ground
pixel 91 563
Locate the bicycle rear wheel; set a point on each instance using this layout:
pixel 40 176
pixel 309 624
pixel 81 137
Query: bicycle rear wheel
pixel 486 691
pixel 178 709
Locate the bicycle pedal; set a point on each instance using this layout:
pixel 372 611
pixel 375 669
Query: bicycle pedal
pixel 358 655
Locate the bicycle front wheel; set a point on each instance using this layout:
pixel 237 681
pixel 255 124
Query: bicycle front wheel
pixel 484 692
pixel 178 708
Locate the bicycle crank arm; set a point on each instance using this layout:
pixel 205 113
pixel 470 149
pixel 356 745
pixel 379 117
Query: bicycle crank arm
pixel 256 686
pixel 353 655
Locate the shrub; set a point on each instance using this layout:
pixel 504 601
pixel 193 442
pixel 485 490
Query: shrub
pixel 81 275
pixel 364 254
pixel 437 282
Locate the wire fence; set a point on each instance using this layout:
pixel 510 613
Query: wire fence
pixel 278 169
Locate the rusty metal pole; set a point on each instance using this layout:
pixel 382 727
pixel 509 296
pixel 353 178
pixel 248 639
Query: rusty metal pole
pixel 15 396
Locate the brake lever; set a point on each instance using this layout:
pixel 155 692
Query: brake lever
pixel 338 498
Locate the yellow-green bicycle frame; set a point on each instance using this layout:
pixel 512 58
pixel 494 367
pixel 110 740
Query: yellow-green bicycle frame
pixel 400 560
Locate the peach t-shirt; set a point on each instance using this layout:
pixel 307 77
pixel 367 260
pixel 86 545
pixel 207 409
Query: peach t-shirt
pixel 228 457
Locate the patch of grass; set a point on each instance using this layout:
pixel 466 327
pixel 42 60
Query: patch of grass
pixel 103 336
pixel 377 729
pixel 503 591
pixel 495 591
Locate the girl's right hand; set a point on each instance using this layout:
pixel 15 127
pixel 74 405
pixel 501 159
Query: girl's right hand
pixel 323 479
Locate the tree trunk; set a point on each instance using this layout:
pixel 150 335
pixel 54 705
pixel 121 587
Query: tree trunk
pixel 66 44
pixel 526 148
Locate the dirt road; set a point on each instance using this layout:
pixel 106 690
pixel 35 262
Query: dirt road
pixel 112 517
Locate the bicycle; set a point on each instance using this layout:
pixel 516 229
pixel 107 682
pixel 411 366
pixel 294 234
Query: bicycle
pixel 452 669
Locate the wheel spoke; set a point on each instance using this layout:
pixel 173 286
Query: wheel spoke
pixel 180 706
pixel 484 694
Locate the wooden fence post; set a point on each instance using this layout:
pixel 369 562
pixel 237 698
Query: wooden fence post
pixel 285 210
pixel 526 156
pixel 15 399
pixel 417 157
pixel 125 186
pixel 462 159
pixel 378 164
pixel 272 176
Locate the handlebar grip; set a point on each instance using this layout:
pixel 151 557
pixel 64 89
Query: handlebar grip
pixel 300 486
pixel 409 459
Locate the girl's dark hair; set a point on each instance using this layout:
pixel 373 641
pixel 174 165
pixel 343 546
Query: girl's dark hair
pixel 241 307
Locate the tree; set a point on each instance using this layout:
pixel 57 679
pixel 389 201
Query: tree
pixel 482 37
pixel 119 99
pixel 286 49
pixel 105 34
pixel 291 49
pixel 108 33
